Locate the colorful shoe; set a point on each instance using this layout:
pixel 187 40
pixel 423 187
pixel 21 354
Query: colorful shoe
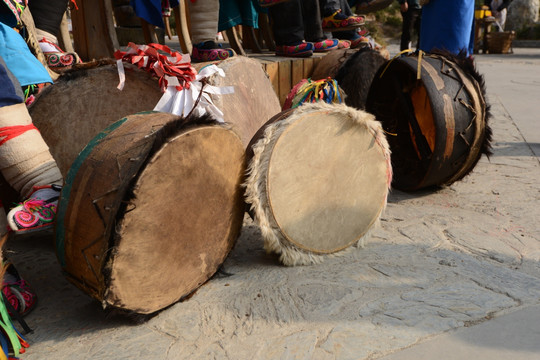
pixel 344 44
pixel 210 51
pixel 267 3
pixel 17 291
pixel 304 49
pixel 339 22
pixel 326 45
pixel 363 32
pixel 38 212
pixel 56 57
pixel 359 42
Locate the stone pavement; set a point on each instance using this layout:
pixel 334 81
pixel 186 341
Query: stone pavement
pixel 450 274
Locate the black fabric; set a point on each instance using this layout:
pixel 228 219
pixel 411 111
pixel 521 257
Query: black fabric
pixel 414 4
pixel 312 21
pixel 411 22
pixel 48 14
pixel 10 90
pixel 294 21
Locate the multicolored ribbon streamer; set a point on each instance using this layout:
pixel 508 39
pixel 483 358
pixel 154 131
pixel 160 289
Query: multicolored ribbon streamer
pixel 307 90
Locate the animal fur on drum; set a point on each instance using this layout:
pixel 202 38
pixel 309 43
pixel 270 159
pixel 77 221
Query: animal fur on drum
pixel 357 73
pixel 467 65
pixel 255 184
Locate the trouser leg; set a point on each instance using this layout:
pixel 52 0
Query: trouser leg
pixel 288 25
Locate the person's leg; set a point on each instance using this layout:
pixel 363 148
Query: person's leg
pixel 337 15
pixel 313 31
pixel 288 26
pixel 416 19
pixel 25 160
pixel 328 7
pixel 204 16
pixel 47 15
pixel 406 29
pixel 311 16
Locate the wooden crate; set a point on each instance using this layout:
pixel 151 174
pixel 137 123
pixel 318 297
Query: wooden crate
pixel 285 72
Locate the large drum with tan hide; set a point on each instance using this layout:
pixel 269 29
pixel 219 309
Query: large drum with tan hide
pixel 150 209
pixel 435 111
pixel 318 179
pixel 253 101
pixel 84 101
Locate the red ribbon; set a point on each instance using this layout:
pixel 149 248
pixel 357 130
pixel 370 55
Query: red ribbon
pixel 10 132
pixel 149 58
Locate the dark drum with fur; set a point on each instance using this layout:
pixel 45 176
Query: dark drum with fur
pixel 355 75
pixel 436 121
pixel 150 209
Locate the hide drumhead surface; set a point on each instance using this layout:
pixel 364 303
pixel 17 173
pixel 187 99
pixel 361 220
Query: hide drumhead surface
pixel 144 218
pixel 318 179
pixel 326 182
pixel 185 219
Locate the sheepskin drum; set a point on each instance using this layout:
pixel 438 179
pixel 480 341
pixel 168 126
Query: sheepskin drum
pixel 254 100
pixel 84 101
pixel 436 109
pixel 150 209
pixel 317 180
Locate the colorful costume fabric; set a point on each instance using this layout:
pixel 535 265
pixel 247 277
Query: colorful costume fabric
pixel 14 50
pixel 448 25
pixel 238 12
pixel 151 10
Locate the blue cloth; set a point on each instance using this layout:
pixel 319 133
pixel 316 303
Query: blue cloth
pixel 19 60
pixel 150 10
pixel 447 25
pixel 8 91
pixel 238 12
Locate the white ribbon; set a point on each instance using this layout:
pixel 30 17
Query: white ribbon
pixel 121 74
pixel 182 102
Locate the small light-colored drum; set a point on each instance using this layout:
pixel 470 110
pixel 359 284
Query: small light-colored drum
pixel 150 209
pixel 318 179
pixel 436 108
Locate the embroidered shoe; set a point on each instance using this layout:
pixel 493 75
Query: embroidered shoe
pixel 210 51
pixel 360 41
pixel 339 22
pixel 344 44
pixel 56 57
pixel 17 291
pixel 38 212
pixel 304 49
pixel 326 45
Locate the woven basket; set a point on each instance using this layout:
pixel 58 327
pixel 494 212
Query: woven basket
pixel 500 42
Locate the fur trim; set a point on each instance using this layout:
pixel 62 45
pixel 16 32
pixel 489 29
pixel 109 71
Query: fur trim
pixel 468 65
pixel 256 190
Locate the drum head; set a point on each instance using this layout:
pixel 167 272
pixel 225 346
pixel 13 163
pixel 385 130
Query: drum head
pixel 150 211
pixel 187 214
pixel 326 181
